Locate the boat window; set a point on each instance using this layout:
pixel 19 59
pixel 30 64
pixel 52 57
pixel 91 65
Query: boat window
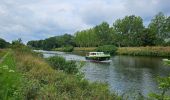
pixel 93 53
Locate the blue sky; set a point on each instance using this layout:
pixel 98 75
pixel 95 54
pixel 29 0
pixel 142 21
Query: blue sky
pixel 39 19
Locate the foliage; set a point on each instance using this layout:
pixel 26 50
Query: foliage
pixel 86 38
pixel 126 32
pixel 104 33
pixel 65 48
pixel 129 27
pixel 53 42
pixel 3 43
pixel 60 63
pixel 68 48
pixel 107 49
pixel 43 82
pixel 148 38
pixel 164 85
pixel 158 24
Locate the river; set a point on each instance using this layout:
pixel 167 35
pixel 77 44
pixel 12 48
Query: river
pixel 127 75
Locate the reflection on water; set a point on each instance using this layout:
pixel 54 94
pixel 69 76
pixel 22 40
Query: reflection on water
pixel 125 74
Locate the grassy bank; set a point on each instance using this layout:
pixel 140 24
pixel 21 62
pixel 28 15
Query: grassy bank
pixel 2 53
pixel 37 80
pixel 133 51
pixel 10 79
pixel 77 49
pixel 145 51
pixel 86 49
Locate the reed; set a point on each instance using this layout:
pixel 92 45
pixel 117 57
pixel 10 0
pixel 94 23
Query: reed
pixel 44 82
pixel 144 51
pixel 84 49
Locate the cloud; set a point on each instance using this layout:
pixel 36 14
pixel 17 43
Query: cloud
pixel 39 19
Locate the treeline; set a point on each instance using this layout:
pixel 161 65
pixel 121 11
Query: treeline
pixel 126 32
pixel 4 44
pixel 53 42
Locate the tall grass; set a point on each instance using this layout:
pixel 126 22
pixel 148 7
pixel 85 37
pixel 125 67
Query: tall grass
pixel 2 52
pixel 65 49
pixel 88 49
pixel 145 51
pixel 10 79
pixel 44 83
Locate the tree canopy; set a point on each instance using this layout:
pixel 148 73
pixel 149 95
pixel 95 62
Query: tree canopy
pixel 126 32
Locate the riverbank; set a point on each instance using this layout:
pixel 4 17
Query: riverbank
pixel 38 80
pixel 145 51
pixel 132 51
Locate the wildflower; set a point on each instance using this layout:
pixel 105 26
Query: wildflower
pixel 11 71
pixel 5 67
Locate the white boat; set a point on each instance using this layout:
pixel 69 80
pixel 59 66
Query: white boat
pixel 98 57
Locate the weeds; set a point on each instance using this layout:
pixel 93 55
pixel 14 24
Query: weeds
pixel 44 82
pixel 145 51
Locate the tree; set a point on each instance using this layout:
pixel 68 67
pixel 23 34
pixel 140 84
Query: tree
pixel 158 24
pixel 3 43
pixel 129 28
pixel 104 33
pixel 86 38
pixel 167 27
pixel 148 38
pixel 53 42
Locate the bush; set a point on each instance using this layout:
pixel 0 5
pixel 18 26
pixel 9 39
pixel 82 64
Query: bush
pixel 65 49
pixel 68 48
pixel 60 63
pixel 42 82
pixel 107 49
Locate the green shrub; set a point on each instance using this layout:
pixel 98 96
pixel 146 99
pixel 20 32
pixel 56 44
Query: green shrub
pixel 60 63
pixel 68 48
pixel 65 49
pixel 42 82
pixel 164 86
pixel 107 49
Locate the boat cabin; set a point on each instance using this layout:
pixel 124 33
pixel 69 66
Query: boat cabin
pixel 97 56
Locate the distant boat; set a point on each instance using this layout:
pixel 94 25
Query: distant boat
pixel 98 57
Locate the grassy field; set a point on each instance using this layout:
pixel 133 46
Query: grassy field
pixel 144 51
pixel 26 76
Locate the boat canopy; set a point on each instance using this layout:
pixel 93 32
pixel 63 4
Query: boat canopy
pixel 96 53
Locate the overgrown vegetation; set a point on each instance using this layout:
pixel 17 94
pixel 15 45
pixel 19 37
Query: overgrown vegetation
pixel 65 49
pixel 10 79
pixel 144 51
pixel 107 49
pixel 60 63
pixel 37 80
pixel 164 86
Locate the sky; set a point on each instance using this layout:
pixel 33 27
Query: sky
pixel 40 19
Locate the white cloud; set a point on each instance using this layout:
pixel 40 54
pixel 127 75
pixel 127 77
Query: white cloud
pixel 39 19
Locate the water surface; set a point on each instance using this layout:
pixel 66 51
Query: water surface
pixel 125 74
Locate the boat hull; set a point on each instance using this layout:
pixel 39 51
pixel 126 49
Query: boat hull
pixel 98 58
